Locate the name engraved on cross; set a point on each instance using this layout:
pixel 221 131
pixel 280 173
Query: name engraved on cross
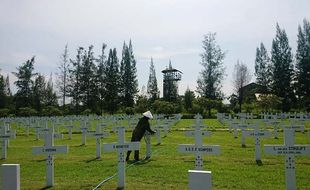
pixel 198 148
pixel 49 150
pixel 121 147
pixel 300 128
pixel 289 150
pixel 257 134
pixel 4 137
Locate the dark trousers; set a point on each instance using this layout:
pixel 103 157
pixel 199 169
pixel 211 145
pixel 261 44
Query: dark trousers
pixel 134 139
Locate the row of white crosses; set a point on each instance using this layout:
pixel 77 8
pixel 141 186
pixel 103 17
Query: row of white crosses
pixel 198 148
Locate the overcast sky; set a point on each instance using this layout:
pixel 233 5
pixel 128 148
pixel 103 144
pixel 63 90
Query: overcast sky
pixel 162 29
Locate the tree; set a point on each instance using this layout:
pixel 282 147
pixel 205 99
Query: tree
pixel 50 98
pixel 39 92
pixel 128 76
pixel 101 78
pixel 303 64
pixel 74 86
pixel 89 91
pixel 189 97
pixel 241 77
pixel 2 92
pixel 112 79
pixel 209 83
pixel 61 82
pixel 263 69
pixel 152 89
pixel 282 68
pixel 24 83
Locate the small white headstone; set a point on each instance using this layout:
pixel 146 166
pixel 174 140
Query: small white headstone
pixel 10 176
pixel 199 180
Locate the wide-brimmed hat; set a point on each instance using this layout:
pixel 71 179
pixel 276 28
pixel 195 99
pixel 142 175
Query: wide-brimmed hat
pixel 148 114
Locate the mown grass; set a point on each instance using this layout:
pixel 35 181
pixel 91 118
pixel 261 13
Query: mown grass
pixel 235 168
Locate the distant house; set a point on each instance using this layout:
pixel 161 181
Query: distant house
pixel 250 91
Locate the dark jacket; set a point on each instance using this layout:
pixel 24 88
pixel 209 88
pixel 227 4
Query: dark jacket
pixel 142 126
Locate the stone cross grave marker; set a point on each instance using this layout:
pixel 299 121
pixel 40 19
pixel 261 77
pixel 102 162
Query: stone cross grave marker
pixel 84 132
pixel 69 127
pixel 98 134
pixel 289 150
pixel 158 129
pixel 300 128
pixel 4 137
pixel 257 134
pixel 44 131
pixel 198 148
pixel 243 128
pixel 49 150
pixel 275 125
pixel 121 147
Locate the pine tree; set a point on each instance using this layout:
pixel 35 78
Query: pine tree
pixel 189 97
pixel 101 78
pixel 24 83
pixel 74 86
pixel 39 92
pixel 62 79
pixel 2 92
pixel 263 69
pixel 152 88
pixel 112 80
pixel 303 65
pixel 50 98
pixel 209 83
pixel 128 74
pixel 88 70
pixel 282 68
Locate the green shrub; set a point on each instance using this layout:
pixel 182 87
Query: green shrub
pixel 4 112
pixel 27 112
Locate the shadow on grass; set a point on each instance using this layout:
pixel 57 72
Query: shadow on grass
pixel 259 162
pixel 41 160
pixel 91 160
pixel 81 145
pixel 47 187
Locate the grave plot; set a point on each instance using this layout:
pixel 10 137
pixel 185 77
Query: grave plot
pixel 289 150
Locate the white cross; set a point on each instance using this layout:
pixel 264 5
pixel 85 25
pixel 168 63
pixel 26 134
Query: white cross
pixel 243 128
pixel 198 148
pixel 4 137
pixel 295 127
pixel 84 132
pixel 49 149
pixel 98 134
pixel 69 127
pixel 121 147
pixel 257 134
pixel 289 150
pixel 158 129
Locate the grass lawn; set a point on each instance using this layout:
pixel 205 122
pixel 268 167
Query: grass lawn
pixel 234 168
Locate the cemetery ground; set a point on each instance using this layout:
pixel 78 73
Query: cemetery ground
pixel 234 168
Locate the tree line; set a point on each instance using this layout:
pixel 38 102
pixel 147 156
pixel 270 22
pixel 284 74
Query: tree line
pixel 282 79
pixel 89 84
